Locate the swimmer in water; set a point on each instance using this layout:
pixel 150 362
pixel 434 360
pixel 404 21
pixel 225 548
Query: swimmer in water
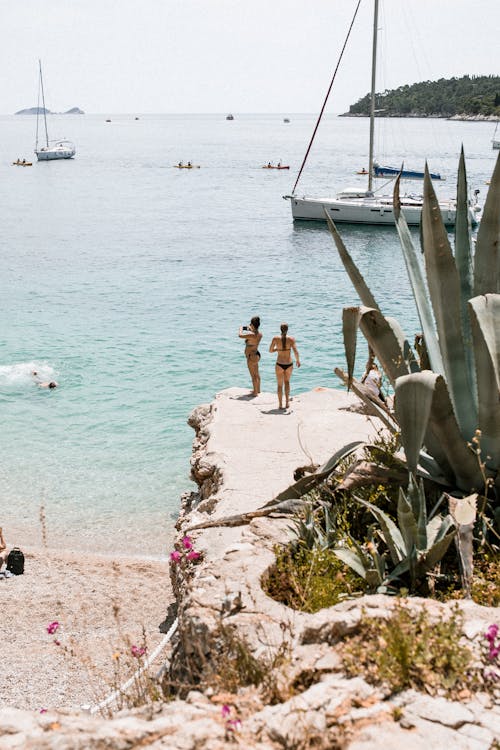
pixel 41 383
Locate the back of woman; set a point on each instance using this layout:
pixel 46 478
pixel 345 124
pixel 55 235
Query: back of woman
pixel 284 345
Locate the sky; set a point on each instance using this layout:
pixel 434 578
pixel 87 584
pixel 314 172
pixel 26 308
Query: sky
pixel 188 56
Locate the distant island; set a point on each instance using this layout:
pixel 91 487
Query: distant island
pixel 469 97
pixel 41 111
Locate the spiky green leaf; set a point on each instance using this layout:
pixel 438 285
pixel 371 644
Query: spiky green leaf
pixel 487 256
pixel 418 286
pixel 385 340
pixel 350 322
pixel 310 481
pixel 444 289
pixel 392 535
pixel 485 319
pixel 413 401
pixel 352 559
pixel 407 522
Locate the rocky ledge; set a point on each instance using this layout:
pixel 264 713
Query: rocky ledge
pixel 244 454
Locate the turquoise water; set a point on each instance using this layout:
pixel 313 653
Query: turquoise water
pixel 125 280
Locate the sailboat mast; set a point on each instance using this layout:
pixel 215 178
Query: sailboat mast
pixel 372 97
pixel 43 104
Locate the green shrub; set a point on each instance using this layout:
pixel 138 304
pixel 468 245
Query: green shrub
pixel 411 651
pixel 310 579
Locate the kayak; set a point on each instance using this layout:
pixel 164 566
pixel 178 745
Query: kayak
pixel 186 166
pixel 278 166
pixel 22 163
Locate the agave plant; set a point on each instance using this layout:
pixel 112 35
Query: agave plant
pixel 415 544
pixel 450 394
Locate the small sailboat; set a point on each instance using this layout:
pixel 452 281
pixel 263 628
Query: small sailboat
pixel 358 206
pixel 60 149
pixel 495 142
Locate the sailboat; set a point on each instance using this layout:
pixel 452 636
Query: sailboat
pixel 355 206
pixel 61 149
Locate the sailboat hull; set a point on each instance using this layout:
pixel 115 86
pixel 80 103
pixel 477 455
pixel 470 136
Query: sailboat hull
pixel 367 210
pixel 50 154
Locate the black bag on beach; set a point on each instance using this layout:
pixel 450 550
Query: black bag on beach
pixel 15 562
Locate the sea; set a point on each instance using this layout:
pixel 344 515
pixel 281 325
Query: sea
pixel 125 280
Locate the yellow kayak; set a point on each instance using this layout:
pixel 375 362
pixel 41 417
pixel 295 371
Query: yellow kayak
pixel 22 163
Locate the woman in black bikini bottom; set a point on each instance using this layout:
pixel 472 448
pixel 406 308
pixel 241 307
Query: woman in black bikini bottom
pixel 284 345
pixel 252 337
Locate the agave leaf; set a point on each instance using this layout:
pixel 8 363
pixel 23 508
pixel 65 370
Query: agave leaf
pixel 434 526
pixel 379 563
pixel 307 483
pixel 413 401
pixel 432 467
pixel 464 262
pixel 338 456
pixel 487 256
pixel 442 423
pixel 408 354
pixel 417 491
pixel 485 317
pixel 377 410
pixel 463 242
pixel 430 558
pixel 443 529
pixel 403 567
pixel 444 289
pixel 444 426
pixel 407 522
pixel 385 342
pixel 392 535
pixel 463 510
pixel 354 274
pixel 350 322
pixel 418 286
pixel 352 559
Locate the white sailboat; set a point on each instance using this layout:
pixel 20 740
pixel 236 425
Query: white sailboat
pixel 61 149
pixel 357 206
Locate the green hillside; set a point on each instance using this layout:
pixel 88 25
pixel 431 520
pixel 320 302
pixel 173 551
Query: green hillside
pixel 470 95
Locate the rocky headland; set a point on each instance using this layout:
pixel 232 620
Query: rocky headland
pixel 41 111
pixel 298 695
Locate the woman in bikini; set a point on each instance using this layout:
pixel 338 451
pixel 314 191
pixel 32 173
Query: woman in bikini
pixel 284 345
pixel 252 337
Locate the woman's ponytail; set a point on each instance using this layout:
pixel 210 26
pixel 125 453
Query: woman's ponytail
pixel 284 331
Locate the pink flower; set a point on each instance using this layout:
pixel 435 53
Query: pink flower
pixel 175 556
pixel 138 651
pixel 52 627
pixel 43 710
pixel 233 725
pixel 494 651
pixel 187 543
pixel 491 633
pixel 226 710
pixel 193 556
